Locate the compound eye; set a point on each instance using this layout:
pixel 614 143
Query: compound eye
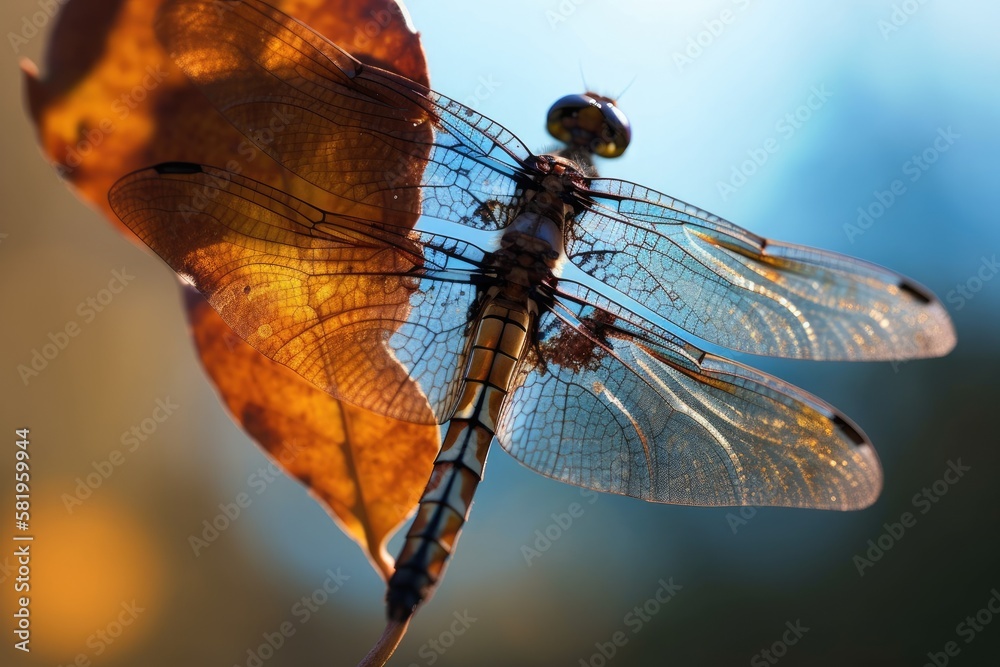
pixel 591 122
pixel 562 122
pixel 617 131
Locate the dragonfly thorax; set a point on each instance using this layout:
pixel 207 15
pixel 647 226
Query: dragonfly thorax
pixel 530 250
pixel 559 180
pixel 535 233
pixel 532 246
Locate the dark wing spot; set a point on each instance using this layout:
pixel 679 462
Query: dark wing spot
pixel 178 168
pixel 850 430
pixel 579 348
pixel 917 292
pixel 487 211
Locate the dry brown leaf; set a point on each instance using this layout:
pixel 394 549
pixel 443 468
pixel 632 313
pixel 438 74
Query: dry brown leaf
pixel 361 467
pixel 111 102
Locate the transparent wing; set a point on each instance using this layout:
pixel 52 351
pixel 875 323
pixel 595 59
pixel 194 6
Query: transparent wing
pixel 357 131
pixel 730 287
pixel 377 318
pixel 610 407
pixel 361 133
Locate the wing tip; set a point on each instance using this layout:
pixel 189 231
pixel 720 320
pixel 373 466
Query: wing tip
pixel 867 469
pixel 872 480
pixel 945 339
pixel 936 336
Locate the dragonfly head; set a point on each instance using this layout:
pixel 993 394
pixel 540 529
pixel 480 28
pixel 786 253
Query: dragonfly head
pixel 590 121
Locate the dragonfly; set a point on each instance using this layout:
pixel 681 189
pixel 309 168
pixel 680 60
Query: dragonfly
pixel 510 296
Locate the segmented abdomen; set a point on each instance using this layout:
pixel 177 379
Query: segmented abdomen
pixel 497 343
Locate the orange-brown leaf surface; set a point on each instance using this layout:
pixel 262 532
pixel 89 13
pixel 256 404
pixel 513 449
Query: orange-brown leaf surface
pixel 360 466
pixel 110 102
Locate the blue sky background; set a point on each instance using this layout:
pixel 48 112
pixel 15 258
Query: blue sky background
pixel 890 94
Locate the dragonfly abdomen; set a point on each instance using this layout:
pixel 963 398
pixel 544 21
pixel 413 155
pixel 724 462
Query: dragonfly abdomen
pixel 498 342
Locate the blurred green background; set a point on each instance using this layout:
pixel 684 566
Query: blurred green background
pixel 888 92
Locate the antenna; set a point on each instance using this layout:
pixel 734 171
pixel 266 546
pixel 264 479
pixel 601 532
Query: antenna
pixel 621 94
pixel 583 77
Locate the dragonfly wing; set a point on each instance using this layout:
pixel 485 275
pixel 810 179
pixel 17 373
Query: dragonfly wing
pixel 374 317
pixel 358 132
pixel 733 288
pixel 655 418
